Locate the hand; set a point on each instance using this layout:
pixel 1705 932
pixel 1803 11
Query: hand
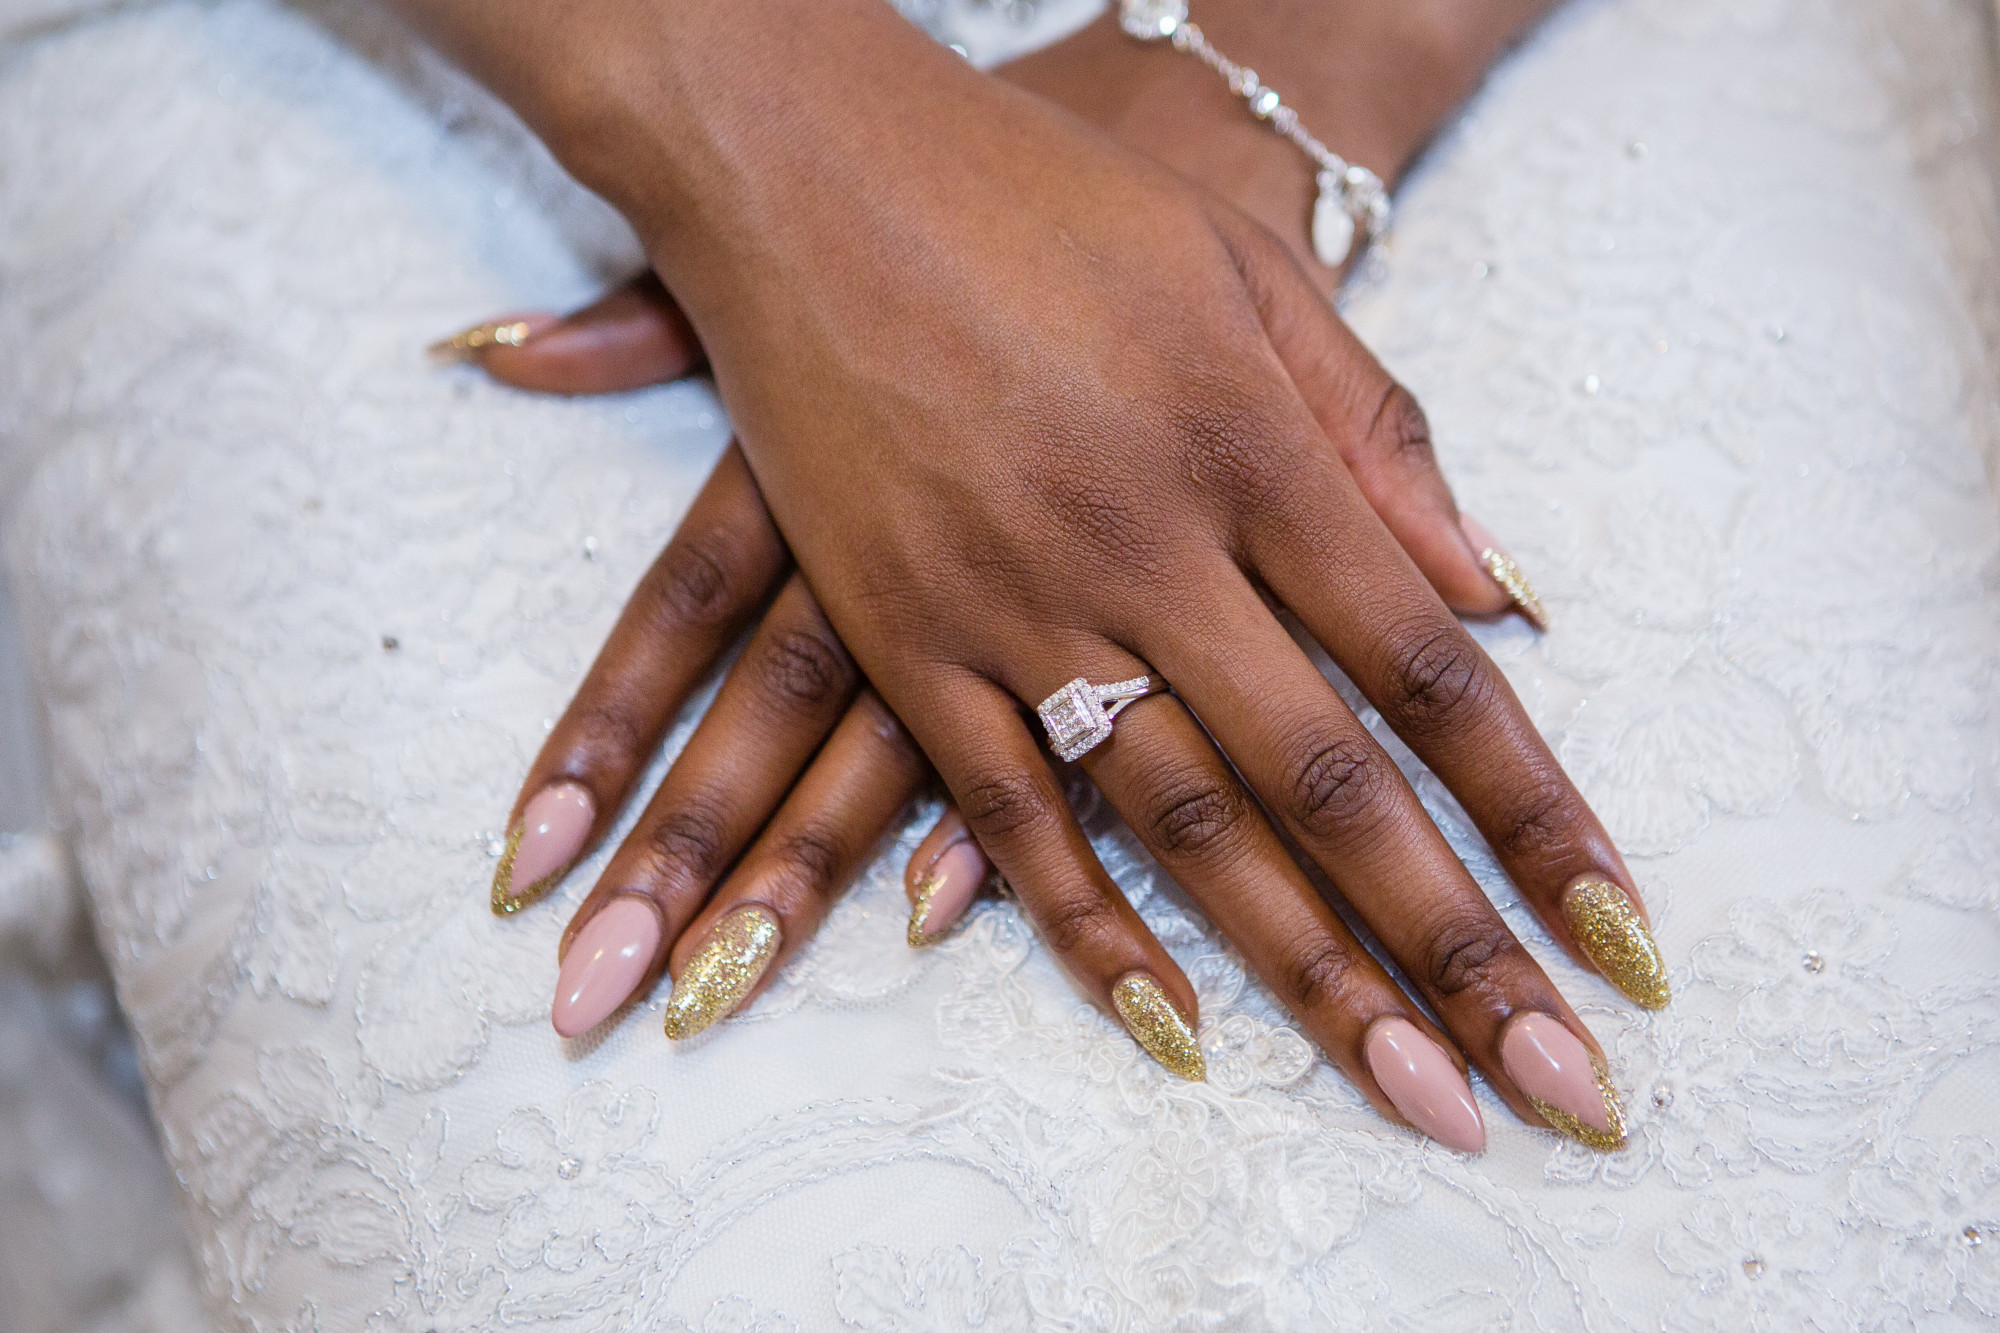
pixel 1280 377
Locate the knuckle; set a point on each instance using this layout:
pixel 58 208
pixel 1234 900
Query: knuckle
pixel 1337 786
pixel 692 582
pixel 1002 805
pixel 614 725
pixel 804 668
pixel 1545 820
pixel 1230 446
pixel 1319 974
pixel 1465 950
pixel 1436 680
pixel 1400 429
pixel 1072 922
pixel 1196 814
pixel 813 857
pixel 691 840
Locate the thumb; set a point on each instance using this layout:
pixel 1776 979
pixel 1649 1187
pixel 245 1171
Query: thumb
pixel 631 337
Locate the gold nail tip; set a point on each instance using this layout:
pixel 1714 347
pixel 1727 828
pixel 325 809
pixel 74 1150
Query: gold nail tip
pixel 1614 935
pixel 1157 1026
pixel 723 971
pixel 465 346
pixel 506 902
pixel 920 911
pixel 1590 1136
pixel 1500 567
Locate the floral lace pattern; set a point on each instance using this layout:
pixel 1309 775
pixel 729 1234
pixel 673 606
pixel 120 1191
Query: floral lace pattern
pixel 1701 298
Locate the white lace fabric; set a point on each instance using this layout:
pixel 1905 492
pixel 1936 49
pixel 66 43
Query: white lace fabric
pixel 1702 296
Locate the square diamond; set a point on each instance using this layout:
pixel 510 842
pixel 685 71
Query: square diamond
pixel 1074 718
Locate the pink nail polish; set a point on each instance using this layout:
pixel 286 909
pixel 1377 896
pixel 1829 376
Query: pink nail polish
pixel 942 894
pixel 1569 1088
pixel 1507 575
pixel 1424 1084
pixel 608 959
pixel 551 833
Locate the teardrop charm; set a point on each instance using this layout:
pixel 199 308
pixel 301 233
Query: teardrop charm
pixel 1332 225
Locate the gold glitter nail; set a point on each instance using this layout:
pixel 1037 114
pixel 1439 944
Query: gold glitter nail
pixel 1157 1025
pixel 1503 571
pixel 920 910
pixel 1612 932
pixel 1589 1135
pixel 717 978
pixel 506 902
pixel 467 345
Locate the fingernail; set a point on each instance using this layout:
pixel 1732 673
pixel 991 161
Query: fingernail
pixel 944 891
pixel 1424 1084
pixel 610 955
pixel 1500 567
pixel 1613 933
pixel 468 345
pixel 1157 1025
pixel 717 978
pixel 1564 1083
pixel 542 845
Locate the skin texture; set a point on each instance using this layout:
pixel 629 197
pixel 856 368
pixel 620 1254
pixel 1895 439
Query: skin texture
pixel 1103 415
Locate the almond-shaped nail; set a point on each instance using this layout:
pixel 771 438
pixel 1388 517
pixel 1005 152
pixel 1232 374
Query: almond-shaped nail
pixel 1563 1082
pixel 1157 1025
pixel 468 345
pixel 1610 929
pixel 1424 1084
pixel 941 892
pixel 723 971
pixel 1500 567
pixel 542 846
pixel 605 964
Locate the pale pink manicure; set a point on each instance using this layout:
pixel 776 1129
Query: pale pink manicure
pixel 610 956
pixel 1548 1063
pixel 553 828
pixel 943 883
pixel 1424 1084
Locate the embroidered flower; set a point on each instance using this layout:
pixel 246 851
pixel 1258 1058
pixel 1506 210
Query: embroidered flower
pixel 1943 1211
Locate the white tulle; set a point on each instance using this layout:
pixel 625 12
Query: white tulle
pixel 1702 297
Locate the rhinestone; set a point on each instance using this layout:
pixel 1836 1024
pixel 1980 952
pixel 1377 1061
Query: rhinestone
pixel 1663 1096
pixel 1813 963
pixel 590 548
pixel 1591 384
pixel 1264 103
pixel 1150 20
pixel 569 1168
pixel 1973 1236
pixel 1753 1269
pixel 390 643
pixel 495 846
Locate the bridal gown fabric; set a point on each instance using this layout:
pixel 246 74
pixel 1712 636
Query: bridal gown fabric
pixel 1704 300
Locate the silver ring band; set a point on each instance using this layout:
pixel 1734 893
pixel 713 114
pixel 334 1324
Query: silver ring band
pixel 1078 716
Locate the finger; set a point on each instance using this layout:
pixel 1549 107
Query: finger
pixel 1163 773
pixel 1346 804
pixel 1381 433
pixel 1443 695
pixel 724 561
pixel 1010 799
pixel 775 900
pixel 944 875
pixel 779 701
pixel 631 337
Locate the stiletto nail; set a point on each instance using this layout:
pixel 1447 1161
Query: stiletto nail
pixel 945 890
pixel 468 345
pixel 604 965
pixel 1157 1025
pixel 1563 1081
pixel 1613 933
pixel 542 846
pixel 1500 567
pixel 1424 1084
pixel 717 978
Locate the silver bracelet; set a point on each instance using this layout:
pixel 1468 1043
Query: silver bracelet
pixel 1352 199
